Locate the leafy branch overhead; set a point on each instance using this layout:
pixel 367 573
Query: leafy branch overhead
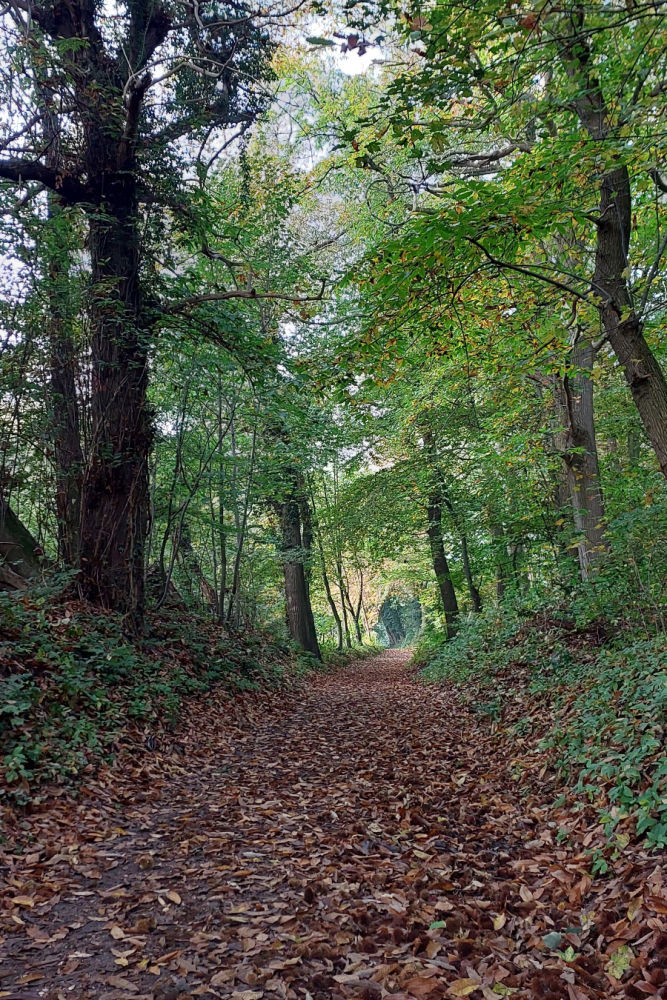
pixel 333 510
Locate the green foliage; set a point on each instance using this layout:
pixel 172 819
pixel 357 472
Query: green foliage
pixel 609 736
pixel 332 657
pixel 606 697
pixel 71 681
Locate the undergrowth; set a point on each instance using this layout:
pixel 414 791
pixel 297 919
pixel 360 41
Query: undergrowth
pixel 591 691
pixel 71 680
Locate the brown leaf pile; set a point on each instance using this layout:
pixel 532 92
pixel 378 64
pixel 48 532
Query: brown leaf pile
pixel 364 838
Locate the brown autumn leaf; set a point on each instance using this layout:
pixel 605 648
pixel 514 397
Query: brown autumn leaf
pixel 120 983
pixel 26 901
pixel 463 987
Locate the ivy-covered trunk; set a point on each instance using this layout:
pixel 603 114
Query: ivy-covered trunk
pixel 114 505
pixel 65 423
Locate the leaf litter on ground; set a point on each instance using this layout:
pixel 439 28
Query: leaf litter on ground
pixel 362 837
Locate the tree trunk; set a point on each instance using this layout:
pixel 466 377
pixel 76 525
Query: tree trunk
pixel 499 544
pixel 643 375
pixel 341 591
pixel 191 562
pixel 307 539
pixel 621 325
pixel 115 489
pixel 578 448
pixel 19 551
pixel 441 566
pixel 475 596
pixel 356 615
pixel 332 605
pixel 65 429
pixel 326 581
pixel 300 621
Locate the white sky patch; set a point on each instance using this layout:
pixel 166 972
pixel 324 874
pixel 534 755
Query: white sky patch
pixel 352 64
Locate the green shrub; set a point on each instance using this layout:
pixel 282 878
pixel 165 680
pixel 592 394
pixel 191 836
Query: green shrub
pixel 608 694
pixel 70 679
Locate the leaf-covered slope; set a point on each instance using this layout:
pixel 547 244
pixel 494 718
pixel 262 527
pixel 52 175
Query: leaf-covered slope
pixel 364 839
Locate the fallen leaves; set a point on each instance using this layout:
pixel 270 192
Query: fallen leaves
pixel 463 987
pixel 23 901
pixel 366 839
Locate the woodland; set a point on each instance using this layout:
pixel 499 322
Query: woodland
pixel 333 501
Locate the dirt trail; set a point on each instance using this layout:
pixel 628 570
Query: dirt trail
pixel 365 838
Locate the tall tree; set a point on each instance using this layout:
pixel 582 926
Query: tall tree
pixel 128 86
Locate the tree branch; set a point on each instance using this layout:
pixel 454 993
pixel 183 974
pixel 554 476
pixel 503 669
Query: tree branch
pixel 248 293
pixel 67 187
pixel 520 269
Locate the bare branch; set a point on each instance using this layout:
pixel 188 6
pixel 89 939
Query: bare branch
pixel 521 269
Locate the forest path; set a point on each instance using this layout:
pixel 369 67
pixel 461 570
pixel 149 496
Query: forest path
pixel 361 839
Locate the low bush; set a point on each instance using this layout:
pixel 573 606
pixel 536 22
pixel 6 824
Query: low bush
pixel 604 686
pixel 71 680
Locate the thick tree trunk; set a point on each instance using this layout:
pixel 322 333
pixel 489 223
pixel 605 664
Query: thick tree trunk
pixel 114 512
pixel 622 326
pixel 643 375
pixel 441 566
pixel 65 429
pixel 300 621
pixel 577 445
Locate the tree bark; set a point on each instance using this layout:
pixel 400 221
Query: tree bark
pixel 325 577
pixel 577 445
pixel 441 566
pixel 65 424
pixel 19 551
pixel 475 596
pixel 114 505
pixel 499 544
pixel 299 612
pixel 621 324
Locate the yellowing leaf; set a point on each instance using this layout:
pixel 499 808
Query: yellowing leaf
pixel 499 921
pixel 117 932
pixel 462 987
pixel 23 901
pixel 620 961
pixel 173 896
